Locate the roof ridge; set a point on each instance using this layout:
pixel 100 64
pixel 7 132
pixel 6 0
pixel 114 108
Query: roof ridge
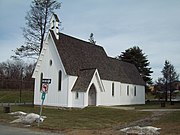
pixel 120 61
pixel 83 69
pixel 75 38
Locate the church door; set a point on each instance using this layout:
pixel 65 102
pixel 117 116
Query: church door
pixel 92 95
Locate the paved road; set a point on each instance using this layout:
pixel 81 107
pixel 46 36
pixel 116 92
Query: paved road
pixel 160 110
pixel 7 130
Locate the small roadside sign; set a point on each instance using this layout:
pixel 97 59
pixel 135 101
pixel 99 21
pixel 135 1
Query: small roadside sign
pixel 48 81
pixel 42 98
pixel 43 95
pixel 44 91
pixel 44 88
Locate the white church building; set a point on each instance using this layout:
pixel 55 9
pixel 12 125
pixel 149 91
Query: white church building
pixel 82 74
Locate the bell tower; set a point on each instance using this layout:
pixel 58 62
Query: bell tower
pixel 54 25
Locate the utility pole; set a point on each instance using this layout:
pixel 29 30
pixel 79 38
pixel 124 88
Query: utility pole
pixel 20 92
pixel 170 88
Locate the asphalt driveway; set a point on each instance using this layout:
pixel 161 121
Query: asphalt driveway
pixel 8 130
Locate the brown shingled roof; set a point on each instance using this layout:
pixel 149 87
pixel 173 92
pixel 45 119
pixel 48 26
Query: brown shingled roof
pixel 77 55
pixel 83 80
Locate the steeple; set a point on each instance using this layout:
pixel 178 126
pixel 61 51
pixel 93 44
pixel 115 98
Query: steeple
pixel 54 25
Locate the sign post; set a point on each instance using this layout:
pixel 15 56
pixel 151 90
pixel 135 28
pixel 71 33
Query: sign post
pixel 44 91
pixel 42 97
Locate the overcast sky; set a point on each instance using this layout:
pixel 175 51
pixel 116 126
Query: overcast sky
pixel 153 25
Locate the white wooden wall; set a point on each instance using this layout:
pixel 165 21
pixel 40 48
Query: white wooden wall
pixel 66 97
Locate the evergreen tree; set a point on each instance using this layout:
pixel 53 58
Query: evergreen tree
pixel 159 87
pixel 135 56
pixel 37 23
pixel 169 75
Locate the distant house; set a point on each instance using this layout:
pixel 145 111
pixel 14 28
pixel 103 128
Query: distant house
pixel 82 74
pixel 176 85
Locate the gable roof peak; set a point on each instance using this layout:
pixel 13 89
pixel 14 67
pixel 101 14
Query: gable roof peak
pixel 56 17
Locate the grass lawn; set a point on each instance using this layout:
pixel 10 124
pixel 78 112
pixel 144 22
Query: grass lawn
pixel 87 118
pixel 96 118
pixel 169 123
pixel 11 96
pixel 91 118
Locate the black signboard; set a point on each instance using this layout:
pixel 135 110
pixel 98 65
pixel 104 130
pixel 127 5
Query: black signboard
pixel 48 81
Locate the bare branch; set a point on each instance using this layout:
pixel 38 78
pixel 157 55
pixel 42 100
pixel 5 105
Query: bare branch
pixel 37 21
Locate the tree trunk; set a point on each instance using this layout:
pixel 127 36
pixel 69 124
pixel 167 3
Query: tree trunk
pixel 166 96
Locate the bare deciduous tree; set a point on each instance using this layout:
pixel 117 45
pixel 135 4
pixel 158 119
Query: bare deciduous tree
pixel 37 22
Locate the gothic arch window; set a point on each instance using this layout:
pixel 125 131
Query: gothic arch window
pixel 77 95
pixel 53 24
pixel 128 90
pixel 134 90
pixel 50 62
pixel 41 78
pixel 113 89
pixel 60 80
